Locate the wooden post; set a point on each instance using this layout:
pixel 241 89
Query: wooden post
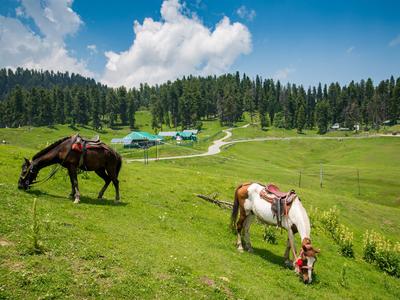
pixel 156 150
pixel 321 176
pixel 300 178
pixel 358 181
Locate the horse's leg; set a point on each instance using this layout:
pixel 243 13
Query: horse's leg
pixel 286 255
pixel 291 243
pixel 247 222
pixel 102 173
pixel 74 179
pixel 116 185
pixel 113 174
pixel 239 227
pixel 71 178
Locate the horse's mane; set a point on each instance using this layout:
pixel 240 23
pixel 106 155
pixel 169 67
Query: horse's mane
pixel 48 148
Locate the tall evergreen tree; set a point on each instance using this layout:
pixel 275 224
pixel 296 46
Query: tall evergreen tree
pixel 322 116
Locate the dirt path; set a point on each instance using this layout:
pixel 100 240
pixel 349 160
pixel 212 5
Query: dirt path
pixel 215 148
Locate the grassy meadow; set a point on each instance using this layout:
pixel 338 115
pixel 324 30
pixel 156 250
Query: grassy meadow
pixel 162 242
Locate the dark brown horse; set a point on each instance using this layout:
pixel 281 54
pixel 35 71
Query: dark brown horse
pixel 99 158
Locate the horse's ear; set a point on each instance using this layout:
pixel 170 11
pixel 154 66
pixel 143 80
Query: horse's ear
pixel 27 161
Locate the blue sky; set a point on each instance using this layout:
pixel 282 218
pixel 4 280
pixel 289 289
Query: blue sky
pixel 303 42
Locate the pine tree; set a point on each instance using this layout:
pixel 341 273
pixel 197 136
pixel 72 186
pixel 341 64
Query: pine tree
pixel 33 108
pixel 112 107
pixel 45 108
pixel 58 99
pixel 17 105
pixel 95 111
pixel 123 105
pixel 131 109
pixel 322 116
pixel 301 118
pixel 80 113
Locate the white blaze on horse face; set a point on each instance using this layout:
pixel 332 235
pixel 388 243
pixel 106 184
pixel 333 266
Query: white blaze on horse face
pixel 310 264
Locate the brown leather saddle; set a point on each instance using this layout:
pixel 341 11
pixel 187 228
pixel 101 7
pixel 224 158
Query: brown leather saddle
pixel 281 202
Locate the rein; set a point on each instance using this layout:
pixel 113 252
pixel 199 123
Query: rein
pixel 55 169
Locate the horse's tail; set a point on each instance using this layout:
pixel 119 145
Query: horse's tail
pixel 235 209
pixel 119 164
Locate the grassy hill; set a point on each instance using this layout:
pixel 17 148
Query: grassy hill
pixel 163 242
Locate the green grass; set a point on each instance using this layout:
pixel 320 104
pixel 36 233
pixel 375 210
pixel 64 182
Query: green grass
pixel 163 242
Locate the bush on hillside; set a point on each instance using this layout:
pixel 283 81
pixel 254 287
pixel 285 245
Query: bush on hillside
pixel 340 233
pixel 379 250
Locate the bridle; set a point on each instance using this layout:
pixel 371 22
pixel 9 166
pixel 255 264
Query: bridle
pixel 302 266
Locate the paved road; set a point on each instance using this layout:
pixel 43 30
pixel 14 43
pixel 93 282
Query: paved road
pixel 215 148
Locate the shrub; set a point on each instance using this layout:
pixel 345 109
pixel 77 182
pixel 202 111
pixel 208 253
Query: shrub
pixel 344 238
pixel 339 232
pixel 385 254
pixel 330 221
pixel 270 235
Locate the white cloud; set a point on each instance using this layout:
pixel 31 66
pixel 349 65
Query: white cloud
pixel 179 44
pixel 395 41
pixel 245 13
pixel 350 49
pixel 283 74
pixel 19 11
pixel 92 48
pixel 21 47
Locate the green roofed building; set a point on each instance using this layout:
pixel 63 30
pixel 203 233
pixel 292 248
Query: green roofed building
pixel 141 139
pixel 186 135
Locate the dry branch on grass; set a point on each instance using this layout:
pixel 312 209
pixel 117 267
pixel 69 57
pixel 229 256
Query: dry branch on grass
pixel 220 203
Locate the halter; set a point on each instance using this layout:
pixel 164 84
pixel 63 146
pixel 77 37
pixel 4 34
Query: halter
pixel 303 266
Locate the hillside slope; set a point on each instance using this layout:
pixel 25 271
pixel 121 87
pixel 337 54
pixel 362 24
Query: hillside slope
pixel 163 242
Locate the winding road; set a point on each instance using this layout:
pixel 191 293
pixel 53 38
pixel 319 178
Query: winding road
pixel 215 148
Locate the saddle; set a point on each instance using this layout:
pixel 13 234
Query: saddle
pixel 81 145
pixel 281 202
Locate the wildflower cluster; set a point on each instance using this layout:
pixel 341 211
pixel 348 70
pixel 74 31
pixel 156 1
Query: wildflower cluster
pixel 339 232
pixel 382 252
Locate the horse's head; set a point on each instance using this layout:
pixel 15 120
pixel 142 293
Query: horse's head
pixel 308 257
pixel 28 175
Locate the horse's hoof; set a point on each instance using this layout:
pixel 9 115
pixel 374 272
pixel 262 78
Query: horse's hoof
pixel 289 264
pixel 250 250
pixel 76 201
pixel 240 249
pixel 116 202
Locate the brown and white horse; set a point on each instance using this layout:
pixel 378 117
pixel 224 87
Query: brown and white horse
pixel 249 203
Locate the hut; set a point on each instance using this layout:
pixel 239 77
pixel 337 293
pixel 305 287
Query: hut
pixel 186 136
pixel 139 139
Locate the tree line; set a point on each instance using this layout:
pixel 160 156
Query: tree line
pixel 40 98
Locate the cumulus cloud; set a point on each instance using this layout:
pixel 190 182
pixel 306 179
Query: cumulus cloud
pixel 245 13
pixel 395 41
pixel 22 47
pixel 283 74
pixel 179 44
